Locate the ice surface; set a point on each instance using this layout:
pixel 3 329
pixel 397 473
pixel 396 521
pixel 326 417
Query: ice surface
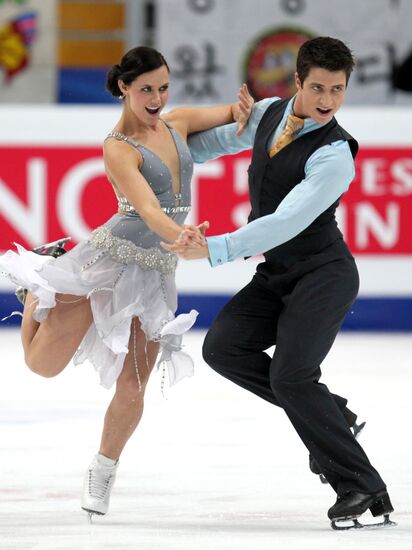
pixel 210 468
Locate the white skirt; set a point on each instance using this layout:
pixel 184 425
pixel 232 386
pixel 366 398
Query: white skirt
pixel 117 293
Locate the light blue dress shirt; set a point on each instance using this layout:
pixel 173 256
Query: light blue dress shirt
pixel 328 173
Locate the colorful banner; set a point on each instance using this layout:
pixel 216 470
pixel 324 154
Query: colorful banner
pixel 27 51
pixel 47 192
pixel 213 46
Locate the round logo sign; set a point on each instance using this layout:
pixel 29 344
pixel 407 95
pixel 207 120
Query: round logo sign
pixel 270 63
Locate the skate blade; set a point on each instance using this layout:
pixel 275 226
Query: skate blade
pixel 91 514
pixel 339 524
pixel 59 242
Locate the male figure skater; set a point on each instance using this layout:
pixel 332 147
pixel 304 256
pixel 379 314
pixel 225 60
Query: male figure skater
pixel 302 162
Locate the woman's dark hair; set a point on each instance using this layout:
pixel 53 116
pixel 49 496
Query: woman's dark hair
pixel 134 63
pixel 324 52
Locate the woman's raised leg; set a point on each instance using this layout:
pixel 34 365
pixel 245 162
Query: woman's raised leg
pixel 49 346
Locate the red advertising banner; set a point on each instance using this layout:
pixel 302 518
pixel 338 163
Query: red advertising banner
pixel 49 192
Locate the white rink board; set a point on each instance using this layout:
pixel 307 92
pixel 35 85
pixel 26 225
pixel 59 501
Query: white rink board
pixel 89 124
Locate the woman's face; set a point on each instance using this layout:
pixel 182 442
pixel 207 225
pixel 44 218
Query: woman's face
pixel 147 95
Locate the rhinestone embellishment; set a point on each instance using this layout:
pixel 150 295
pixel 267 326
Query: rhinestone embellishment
pixel 125 206
pixel 126 252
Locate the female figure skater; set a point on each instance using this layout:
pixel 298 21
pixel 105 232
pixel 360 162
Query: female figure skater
pixel 112 298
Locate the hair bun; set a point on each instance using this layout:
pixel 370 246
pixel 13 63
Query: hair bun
pixel 113 76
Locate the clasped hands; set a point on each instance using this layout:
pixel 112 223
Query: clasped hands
pixel 191 244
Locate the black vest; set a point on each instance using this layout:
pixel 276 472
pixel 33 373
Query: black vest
pixel 271 179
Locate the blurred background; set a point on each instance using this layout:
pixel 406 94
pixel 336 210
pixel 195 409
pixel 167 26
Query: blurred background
pixel 55 113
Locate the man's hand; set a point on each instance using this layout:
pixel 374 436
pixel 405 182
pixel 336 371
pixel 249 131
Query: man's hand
pixel 243 109
pixel 188 252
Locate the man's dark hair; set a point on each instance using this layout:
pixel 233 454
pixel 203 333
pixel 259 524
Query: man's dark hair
pixel 326 53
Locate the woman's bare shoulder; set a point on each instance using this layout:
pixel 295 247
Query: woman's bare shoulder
pixel 116 150
pixel 176 120
pixel 112 147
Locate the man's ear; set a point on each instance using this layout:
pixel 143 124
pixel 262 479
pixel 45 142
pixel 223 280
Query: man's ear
pixel 298 82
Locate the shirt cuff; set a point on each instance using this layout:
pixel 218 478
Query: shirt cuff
pixel 218 253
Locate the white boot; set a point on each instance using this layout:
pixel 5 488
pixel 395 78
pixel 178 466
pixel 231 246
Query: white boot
pixel 98 482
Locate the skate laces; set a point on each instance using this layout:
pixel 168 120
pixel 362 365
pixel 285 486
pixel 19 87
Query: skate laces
pixel 100 484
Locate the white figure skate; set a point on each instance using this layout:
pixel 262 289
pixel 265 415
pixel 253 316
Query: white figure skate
pixel 98 483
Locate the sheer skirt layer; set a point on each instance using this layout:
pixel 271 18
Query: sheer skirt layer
pixel 117 293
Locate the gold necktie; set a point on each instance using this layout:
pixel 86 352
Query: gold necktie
pixel 293 125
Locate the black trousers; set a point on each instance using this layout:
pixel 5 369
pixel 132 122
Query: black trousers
pixel 300 310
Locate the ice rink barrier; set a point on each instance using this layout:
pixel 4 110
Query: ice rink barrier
pixel 52 184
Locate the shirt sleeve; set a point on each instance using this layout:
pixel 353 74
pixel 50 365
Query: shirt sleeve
pixel 223 140
pixel 328 173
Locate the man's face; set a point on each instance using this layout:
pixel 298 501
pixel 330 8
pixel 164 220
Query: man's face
pixel 321 94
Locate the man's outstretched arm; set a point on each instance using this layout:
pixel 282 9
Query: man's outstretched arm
pixel 328 174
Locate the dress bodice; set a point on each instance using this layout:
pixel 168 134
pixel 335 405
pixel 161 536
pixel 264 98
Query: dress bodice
pixel 158 175
pixel 126 236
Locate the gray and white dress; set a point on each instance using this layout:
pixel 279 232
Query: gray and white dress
pixel 124 272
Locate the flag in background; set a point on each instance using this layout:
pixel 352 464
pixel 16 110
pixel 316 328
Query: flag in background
pixel 28 51
pixel 16 37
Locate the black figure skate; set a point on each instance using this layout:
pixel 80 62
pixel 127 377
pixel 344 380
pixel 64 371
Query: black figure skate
pixel 54 249
pixel 349 506
pixel 314 466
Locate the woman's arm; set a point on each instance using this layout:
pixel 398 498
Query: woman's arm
pixel 196 119
pixel 122 165
pixel 222 140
